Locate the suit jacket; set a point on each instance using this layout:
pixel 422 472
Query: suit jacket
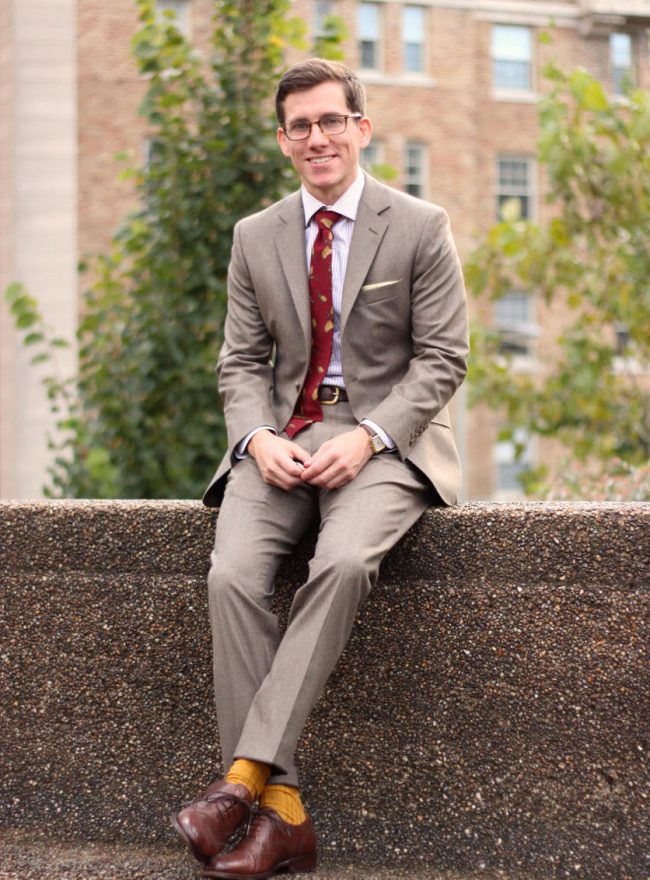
pixel 404 338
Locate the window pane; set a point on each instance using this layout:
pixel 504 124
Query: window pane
pixel 515 181
pixel 368 27
pixel 621 49
pixel 513 318
pixel 511 57
pixel 367 51
pixel 413 57
pixel 413 24
pixel 511 74
pixel 371 155
pixel 414 161
pixel 368 21
pixel 513 174
pixel 511 43
pixel 508 467
pixel 322 10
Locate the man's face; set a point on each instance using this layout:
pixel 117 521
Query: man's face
pixel 327 165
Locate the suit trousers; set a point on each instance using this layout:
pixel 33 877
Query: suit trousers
pixel 267 682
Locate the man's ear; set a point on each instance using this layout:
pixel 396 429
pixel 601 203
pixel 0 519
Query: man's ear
pixel 365 130
pixel 283 141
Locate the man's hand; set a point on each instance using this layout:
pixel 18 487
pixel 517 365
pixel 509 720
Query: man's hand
pixel 338 460
pixel 280 461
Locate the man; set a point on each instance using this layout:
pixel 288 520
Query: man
pixel 346 337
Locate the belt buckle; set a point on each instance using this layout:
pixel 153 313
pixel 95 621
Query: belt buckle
pixel 335 399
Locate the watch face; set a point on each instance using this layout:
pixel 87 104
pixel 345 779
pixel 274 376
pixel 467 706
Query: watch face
pixel 377 443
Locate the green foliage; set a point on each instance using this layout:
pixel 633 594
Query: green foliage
pixel 145 419
pixel 591 259
pixel 328 43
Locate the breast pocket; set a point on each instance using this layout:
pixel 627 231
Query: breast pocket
pixel 377 291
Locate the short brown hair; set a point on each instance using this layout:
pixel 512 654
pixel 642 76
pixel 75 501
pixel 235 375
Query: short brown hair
pixel 307 74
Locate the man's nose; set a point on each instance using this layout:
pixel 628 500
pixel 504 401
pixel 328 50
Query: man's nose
pixel 316 137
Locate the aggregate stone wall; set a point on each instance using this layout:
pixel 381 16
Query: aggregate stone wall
pixel 491 709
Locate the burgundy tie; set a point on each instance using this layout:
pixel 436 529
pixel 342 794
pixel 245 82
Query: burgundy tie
pixel 308 408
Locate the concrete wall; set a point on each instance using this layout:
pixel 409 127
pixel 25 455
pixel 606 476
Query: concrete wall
pixel 491 710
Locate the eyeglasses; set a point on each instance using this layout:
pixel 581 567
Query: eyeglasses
pixel 333 123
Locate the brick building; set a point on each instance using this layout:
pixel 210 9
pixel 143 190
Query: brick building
pixel 452 87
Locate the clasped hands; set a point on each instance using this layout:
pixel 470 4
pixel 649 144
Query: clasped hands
pixel 285 464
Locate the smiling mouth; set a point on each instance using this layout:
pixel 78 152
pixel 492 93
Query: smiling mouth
pixel 320 160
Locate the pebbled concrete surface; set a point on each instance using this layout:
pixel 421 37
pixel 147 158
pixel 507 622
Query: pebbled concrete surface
pixel 491 713
pixel 22 860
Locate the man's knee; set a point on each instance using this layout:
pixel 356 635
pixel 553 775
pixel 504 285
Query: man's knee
pixel 348 569
pixel 235 580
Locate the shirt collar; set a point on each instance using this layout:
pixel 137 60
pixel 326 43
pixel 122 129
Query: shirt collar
pixel 347 204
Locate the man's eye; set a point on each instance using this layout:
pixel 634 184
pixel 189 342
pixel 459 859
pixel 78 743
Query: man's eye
pixel 299 127
pixel 329 121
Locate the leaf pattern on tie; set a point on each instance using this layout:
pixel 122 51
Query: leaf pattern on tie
pixel 308 409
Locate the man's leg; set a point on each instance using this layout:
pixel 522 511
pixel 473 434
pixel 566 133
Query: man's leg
pixel 360 522
pixel 256 526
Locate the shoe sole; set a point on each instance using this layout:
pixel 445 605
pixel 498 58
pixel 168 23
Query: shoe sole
pixel 180 831
pixel 296 865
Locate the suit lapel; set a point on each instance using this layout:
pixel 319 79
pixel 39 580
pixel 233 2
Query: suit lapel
pixel 369 229
pixel 289 241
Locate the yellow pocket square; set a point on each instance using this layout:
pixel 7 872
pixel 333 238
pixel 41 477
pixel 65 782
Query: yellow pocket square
pixel 380 284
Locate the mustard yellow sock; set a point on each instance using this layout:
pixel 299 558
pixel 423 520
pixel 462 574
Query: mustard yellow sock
pixel 252 774
pixel 285 800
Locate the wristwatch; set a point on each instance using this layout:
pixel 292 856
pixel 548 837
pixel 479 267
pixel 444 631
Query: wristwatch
pixel 376 443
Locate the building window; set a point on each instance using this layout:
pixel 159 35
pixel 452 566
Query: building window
pixel 181 10
pixel 512 458
pixel 511 58
pixel 415 169
pixel 413 30
pixel 514 322
pixel 369 29
pixel 372 155
pixel 620 53
pixel 323 9
pixel 515 181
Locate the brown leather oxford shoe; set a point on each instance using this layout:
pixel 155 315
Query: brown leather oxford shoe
pixel 271 845
pixel 206 824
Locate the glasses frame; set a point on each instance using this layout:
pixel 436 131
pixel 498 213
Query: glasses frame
pixel 317 122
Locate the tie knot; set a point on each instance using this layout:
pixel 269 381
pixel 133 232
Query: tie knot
pixel 326 219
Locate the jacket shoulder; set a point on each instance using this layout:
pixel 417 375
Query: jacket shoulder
pixel 382 198
pixel 282 208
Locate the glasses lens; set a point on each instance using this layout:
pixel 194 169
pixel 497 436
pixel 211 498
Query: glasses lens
pixel 297 130
pixel 332 124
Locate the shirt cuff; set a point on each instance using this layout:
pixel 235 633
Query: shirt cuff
pixel 390 445
pixel 240 448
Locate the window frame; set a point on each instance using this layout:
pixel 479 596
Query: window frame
pixel 376 41
pixel 419 44
pixel 410 180
pixel 530 193
pixel 508 90
pixel 619 72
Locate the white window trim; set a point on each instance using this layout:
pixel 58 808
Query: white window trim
pixel 501 93
pixel 380 39
pixel 422 42
pixel 425 167
pixel 532 164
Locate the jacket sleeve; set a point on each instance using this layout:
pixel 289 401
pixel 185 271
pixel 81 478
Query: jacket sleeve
pixel 244 366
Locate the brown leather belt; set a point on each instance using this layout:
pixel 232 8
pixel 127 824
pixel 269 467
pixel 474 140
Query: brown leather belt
pixel 331 394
